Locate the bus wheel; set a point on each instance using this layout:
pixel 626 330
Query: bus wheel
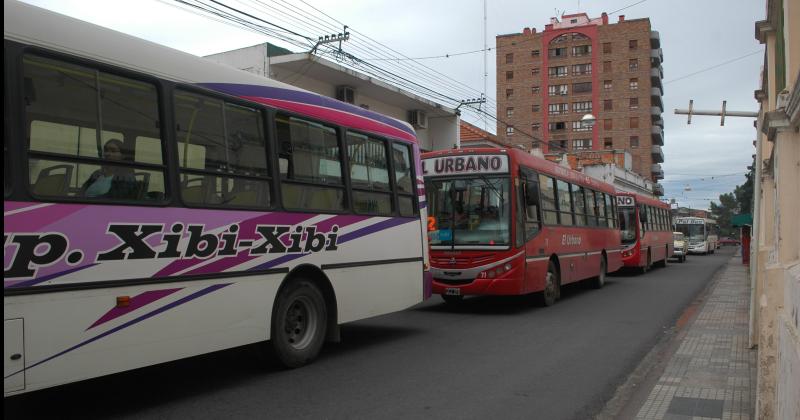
pixel 552 287
pixel 299 323
pixel 452 300
pixel 600 280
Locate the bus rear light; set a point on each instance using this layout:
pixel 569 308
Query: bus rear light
pixel 123 301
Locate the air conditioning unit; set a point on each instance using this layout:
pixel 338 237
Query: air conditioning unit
pixel 418 118
pixel 346 94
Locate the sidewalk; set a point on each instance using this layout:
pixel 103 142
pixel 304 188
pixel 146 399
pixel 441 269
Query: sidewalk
pixel 712 375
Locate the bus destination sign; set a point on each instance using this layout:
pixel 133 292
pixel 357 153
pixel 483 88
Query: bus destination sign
pixel 625 201
pixel 465 164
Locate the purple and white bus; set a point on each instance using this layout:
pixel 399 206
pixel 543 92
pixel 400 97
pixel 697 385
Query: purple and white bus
pixel 159 206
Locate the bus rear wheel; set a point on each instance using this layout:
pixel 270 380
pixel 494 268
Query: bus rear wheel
pixel 299 323
pixel 552 286
pixel 600 280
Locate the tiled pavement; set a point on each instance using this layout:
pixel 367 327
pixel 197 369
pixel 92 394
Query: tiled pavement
pixel 712 375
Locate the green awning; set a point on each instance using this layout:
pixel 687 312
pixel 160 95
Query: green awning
pixel 740 220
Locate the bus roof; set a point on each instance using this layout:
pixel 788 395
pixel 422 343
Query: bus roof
pixel 643 199
pixel 540 165
pixel 40 27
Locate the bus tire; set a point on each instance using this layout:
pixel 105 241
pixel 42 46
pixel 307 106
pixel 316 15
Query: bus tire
pixel 600 280
pixel 552 286
pixel 452 300
pixel 299 323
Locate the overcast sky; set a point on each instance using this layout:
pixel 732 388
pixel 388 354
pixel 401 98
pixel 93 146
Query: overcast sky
pixel 695 35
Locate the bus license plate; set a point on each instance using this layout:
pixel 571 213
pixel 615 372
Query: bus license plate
pixel 452 291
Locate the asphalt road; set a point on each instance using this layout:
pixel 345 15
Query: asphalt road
pixel 493 357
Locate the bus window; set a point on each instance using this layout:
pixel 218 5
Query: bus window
pixel 369 174
pixel 222 152
pixel 610 214
pixel 591 208
pixel 564 203
pixel 310 165
pixel 404 179
pixel 548 193
pixel 531 211
pixel 579 202
pixel 62 103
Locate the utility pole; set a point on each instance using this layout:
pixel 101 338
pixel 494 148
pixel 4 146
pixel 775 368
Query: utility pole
pixel 485 66
pixel 722 114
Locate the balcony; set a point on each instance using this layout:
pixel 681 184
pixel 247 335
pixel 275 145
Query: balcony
pixel 656 57
pixel 655 40
pixel 656 74
pixel 657 154
pixel 657 172
pixel 655 112
pixel 658 190
pixel 657 120
pixel 657 134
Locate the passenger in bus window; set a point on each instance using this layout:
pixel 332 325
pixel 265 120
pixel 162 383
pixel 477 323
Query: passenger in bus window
pixel 112 181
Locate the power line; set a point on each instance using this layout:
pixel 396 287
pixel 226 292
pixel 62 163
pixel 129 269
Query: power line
pixel 429 57
pixel 713 67
pixel 626 7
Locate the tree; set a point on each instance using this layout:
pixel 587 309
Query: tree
pixel 738 202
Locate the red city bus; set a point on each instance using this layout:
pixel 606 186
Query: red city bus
pixel 503 222
pixel 646 230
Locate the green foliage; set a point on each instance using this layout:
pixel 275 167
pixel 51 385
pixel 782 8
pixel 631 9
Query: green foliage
pixel 740 201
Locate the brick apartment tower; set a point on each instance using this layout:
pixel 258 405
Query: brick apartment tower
pixel 547 81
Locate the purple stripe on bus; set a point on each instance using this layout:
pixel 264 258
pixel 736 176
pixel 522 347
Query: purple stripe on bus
pixel 246 231
pixel 386 224
pixel 150 314
pixel 37 219
pixel 304 97
pixel 33 282
pixel 136 302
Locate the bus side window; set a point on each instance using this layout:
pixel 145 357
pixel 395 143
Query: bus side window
pixel 547 193
pixel 532 221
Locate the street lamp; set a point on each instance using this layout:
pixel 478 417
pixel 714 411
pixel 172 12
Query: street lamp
pixel 588 120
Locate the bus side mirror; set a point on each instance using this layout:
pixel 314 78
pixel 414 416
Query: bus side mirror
pixel 532 193
pixel 459 185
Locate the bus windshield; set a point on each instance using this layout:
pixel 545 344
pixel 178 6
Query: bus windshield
pixel 627 224
pixel 476 215
pixel 695 232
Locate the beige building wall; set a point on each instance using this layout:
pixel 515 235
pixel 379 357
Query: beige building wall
pixel 775 252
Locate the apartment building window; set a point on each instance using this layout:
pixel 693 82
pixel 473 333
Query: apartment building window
pixel 608 143
pixel 582 144
pixel 633 44
pixel 582 69
pixel 558 145
pixel 581 50
pixel 559 71
pixel 557 126
pixel 606 48
pixel 535 71
pixel 509 112
pixel 509 93
pixel 582 87
pixel 634 103
pixel 582 107
pixel 579 126
pixel 555 90
pixel 634 142
pixel 607 84
pixel 510 130
pixel 557 52
pixel 633 64
pixel 608 105
pixel 509 75
pixel 509 58
pixel 607 125
pixel 535 89
pixel 634 84
pixel 606 67
pixel 535 126
pixel 557 109
pixel 634 122
pixel 534 53
pixel 535 108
